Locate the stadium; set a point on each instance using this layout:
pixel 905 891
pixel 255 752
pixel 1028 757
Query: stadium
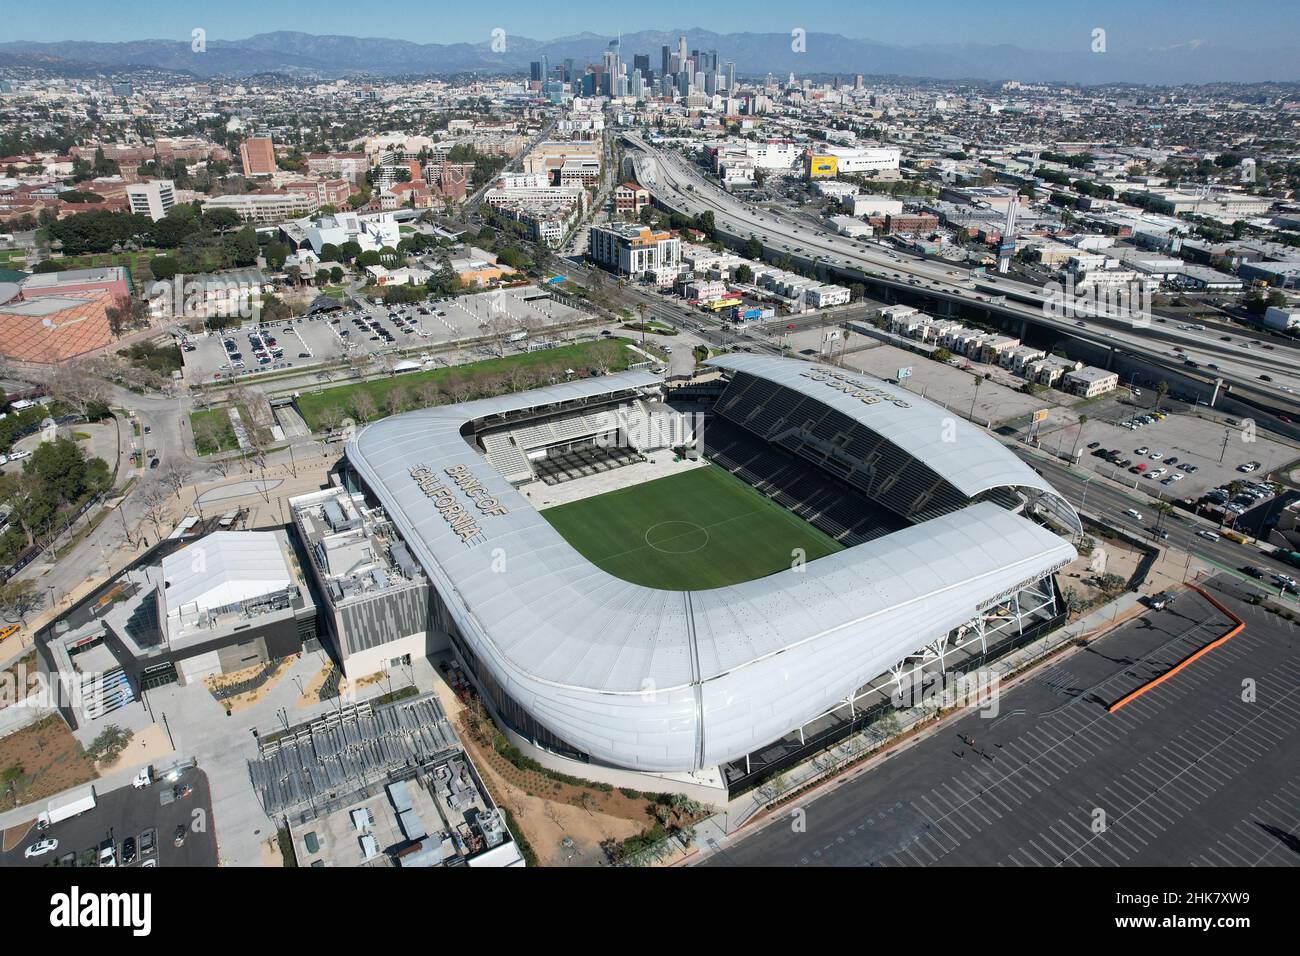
pixel 684 580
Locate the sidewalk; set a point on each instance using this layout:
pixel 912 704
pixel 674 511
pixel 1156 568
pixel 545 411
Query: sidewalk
pixel 223 745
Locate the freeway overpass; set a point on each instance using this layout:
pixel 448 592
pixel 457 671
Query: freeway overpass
pixel 1240 362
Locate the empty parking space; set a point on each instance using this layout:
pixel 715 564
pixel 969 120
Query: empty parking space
pixel 1198 771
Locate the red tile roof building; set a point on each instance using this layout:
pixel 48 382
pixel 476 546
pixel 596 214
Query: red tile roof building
pixel 52 329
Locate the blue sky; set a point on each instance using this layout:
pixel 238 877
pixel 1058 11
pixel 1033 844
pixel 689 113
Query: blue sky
pixel 1044 24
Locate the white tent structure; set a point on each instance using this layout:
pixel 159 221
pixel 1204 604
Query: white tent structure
pixel 223 570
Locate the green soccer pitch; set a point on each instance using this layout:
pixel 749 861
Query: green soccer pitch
pixel 701 529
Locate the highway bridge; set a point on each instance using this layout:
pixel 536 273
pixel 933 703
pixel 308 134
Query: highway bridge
pixel 1263 372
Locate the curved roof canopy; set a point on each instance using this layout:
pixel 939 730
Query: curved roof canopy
pixel 965 456
pixel 671 680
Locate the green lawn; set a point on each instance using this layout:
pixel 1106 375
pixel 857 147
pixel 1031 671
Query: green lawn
pixel 137 262
pixel 701 529
pixel 222 429
pixel 473 380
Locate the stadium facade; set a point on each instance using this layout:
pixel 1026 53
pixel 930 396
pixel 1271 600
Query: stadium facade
pixel 583 664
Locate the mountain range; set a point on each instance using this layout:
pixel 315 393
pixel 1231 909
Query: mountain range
pixel 310 55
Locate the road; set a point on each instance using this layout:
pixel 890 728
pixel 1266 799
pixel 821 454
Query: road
pixel 678 185
pixel 1098 496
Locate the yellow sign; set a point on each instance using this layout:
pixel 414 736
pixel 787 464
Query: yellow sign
pixel 823 166
pixel 1040 415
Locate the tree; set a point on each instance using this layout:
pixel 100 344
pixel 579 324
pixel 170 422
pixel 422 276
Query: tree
pixel 243 247
pixel 18 598
pixel 164 267
pixel 744 274
pixel 176 476
pixel 1161 390
pixel 154 498
pixel 222 220
pixel 363 406
pixel 276 253
pixel 1083 419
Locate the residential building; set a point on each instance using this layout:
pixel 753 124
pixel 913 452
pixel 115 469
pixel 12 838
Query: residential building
pixel 154 198
pixel 1089 381
pixel 637 251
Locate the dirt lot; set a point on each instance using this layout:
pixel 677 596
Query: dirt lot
pixel 39 761
pixel 549 811
pixel 216 682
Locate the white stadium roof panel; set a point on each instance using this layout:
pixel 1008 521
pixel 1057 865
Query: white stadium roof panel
pixel 669 681
pixel 965 456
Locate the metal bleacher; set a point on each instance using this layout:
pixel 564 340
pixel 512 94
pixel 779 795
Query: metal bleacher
pixel 505 456
pixel 347 750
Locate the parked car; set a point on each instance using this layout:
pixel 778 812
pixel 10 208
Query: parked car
pixel 178 838
pixel 41 847
pixel 128 851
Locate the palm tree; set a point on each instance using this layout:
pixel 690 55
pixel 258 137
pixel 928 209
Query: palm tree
pixel 1077 435
pixel 1161 389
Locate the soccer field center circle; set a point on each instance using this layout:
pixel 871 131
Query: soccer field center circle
pixel 677 537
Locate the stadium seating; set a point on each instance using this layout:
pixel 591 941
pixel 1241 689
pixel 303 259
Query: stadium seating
pixel 506 457
pixel 839 446
pixel 801 488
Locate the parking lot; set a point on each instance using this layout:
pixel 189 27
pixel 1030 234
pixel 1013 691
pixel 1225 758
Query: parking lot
pixel 1192 773
pixel 363 328
pixel 1216 451
pixel 128 813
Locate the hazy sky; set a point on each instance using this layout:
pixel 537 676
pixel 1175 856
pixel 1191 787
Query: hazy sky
pixel 1043 24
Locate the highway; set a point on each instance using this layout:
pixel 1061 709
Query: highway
pixel 1240 362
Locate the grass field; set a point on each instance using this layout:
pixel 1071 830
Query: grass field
pixel 212 431
pixel 701 529
pixel 460 382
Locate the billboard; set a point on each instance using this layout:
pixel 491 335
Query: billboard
pixel 822 166
pixel 1040 415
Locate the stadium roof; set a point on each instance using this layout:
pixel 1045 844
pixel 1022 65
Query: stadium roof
pixel 671 680
pixel 965 456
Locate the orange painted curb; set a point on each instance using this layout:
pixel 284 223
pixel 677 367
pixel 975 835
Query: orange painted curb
pixel 1190 658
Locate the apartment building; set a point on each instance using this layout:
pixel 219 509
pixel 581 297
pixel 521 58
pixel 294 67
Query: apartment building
pixel 637 251
pixel 154 198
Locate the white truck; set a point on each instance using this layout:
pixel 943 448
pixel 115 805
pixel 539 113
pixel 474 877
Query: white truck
pixel 74 804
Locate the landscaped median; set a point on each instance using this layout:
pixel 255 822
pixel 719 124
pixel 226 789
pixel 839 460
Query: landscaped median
pixel 368 400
